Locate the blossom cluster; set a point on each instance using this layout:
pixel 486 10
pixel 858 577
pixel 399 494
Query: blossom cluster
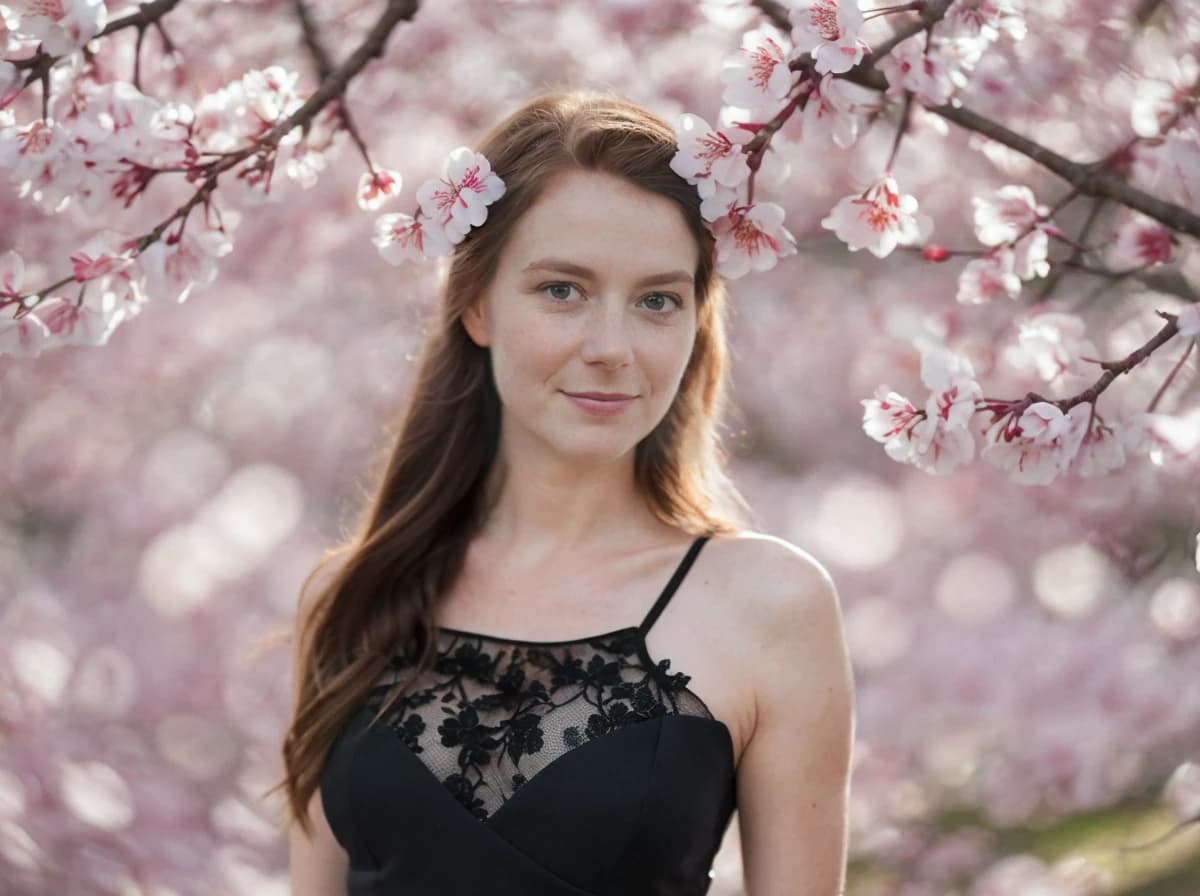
pixel 106 142
pixel 773 75
pixel 448 207
pixel 1035 442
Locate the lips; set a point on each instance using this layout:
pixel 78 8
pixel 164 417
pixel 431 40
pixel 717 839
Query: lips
pixel 603 396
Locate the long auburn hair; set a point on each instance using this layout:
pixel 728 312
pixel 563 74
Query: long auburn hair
pixel 411 538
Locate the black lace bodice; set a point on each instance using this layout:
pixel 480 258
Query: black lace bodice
pixel 523 768
pixel 493 712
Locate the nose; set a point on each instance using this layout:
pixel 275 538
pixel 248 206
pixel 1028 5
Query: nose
pixel 607 339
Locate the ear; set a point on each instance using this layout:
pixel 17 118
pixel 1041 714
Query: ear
pixel 475 321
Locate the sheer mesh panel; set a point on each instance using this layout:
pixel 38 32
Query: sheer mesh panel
pixel 492 713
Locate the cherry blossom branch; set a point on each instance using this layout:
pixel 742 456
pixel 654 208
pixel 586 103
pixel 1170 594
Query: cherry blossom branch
pixel 1087 177
pixel 331 87
pixel 148 14
pixel 324 65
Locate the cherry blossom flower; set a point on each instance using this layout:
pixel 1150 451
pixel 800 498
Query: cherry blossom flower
pixel 69 323
pixel 1030 255
pixel 939 440
pixel 987 277
pixel 459 201
pixel 175 265
pixel 1162 437
pixel 1101 451
pixel 879 219
pixel 1180 157
pixel 376 187
pixel 986 19
pixel 833 111
pixel 752 238
pixel 62 26
pixel 401 237
pixel 23 338
pixel 1051 343
pixel 829 30
pixel 105 253
pixel 924 71
pixel 708 157
pixel 12 274
pixel 758 77
pixel 1039 446
pixel 1006 214
pixel 1188 321
pixel 1158 99
pixel 1141 241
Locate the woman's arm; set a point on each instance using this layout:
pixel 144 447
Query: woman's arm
pixel 793 779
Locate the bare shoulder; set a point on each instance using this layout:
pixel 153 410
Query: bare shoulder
pixel 793 778
pixel 788 613
pixel 774 580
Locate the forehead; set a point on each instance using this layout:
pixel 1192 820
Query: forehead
pixel 604 222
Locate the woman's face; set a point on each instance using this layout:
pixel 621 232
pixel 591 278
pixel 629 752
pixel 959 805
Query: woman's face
pixel 594 293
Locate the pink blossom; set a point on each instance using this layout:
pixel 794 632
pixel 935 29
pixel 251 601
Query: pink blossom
pixel 924 71
pixel 400 237
pixel 1039 446
pixel 174 266
pixel 986 19
pixel 23 338
pixel 940 440
pixel 376 187
pixel 758 77
pixel 1051 343
pixel 834 109
pixel 1162 437
pixel 12 274
pixel 1141 241
pixel 1188 321
pixel 829 30
pixel 105 253
pixel 62 26
pixel 69 323
pixel 1006 214
pixel 1158 99
pixel 988 276
pixel 459 201
pixel 752 239
pixel 709 157
pixel 1101 451
pixel 1030 255
pixel 1180 157
pixel 879 219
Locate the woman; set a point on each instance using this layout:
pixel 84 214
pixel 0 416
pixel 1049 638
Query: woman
pixel 459 724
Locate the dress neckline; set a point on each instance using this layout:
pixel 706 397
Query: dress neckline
pixel 583 640
pixel 664 596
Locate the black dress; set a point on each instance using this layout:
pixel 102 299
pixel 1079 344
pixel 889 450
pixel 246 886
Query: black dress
pixel 535 768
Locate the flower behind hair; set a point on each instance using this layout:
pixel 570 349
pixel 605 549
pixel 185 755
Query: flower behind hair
pixel 449 207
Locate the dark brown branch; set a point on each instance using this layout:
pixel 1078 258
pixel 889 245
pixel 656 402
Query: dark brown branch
pixel 148 14
pixel 324 65
pixel 333 86
pixel 1089 180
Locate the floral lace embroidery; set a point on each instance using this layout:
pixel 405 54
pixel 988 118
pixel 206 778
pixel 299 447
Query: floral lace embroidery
pixel 493 713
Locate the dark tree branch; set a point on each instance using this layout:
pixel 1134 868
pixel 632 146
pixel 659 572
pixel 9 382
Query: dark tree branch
pixel 331 87
pixel 323 65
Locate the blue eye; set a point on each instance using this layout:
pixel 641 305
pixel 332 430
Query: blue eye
pixel 559 286
pixel 665 295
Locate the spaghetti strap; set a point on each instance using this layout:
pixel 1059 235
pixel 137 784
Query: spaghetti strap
pixel 680 571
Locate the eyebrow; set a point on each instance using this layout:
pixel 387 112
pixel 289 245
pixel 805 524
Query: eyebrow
pixel 560 266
